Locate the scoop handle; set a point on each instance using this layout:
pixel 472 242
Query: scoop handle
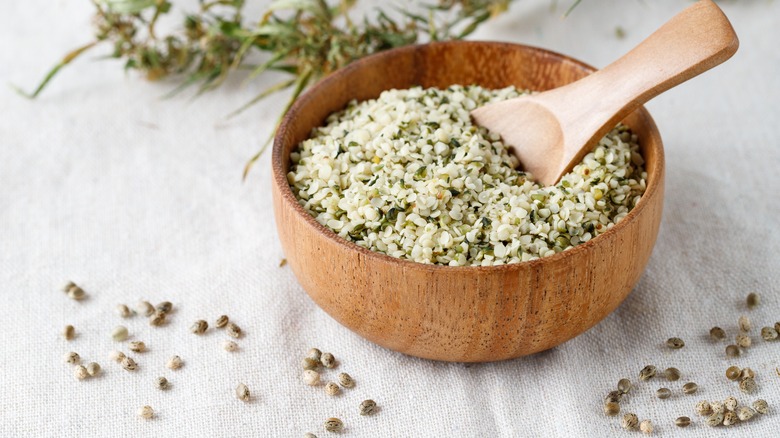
pixel 692 42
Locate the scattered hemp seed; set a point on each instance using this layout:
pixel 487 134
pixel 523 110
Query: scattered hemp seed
pixel 346 380
pixel 146 412
pixel 768 333
pixel 761 406
pixel 229 346
pixel 717 407
pixel 629 421
pixel 314 353
pixel 733 373
pixel 137 346
pixel 717 333
pixel 80 372
pixel 222 321
pixel 309 435
pixel 233 330
pixel 123 311
pixel 777 327
pixel 743 340
pixel 647 373
pixel 646 426
pixel 672 374
pixel 162 383
pixel 753 300
pixel 165 307
pixel 367 407
pixel 327 360
pixel 333 425
pixel 675 343
pixel 331 388
pixel 703 408
pixel 74 292
pixel 71 358
pixel 624 385
pixel 144 308
pixel 199 327
pixel 93 368
pixel 730 418
pixel 744 323
pixel 242 392
pixel 682 422
pixel 745 413
pixel 157 319
pixel 309 363
pixel 663 393
pixel 311 377
pixel 611 408
pixel 119 333
pixel 748 385
pixel 282 263
pixel 716 419
pixel 613 397
pixel 174 363
pixel 747 372
pixel 129 364
pixel 69 332
pixel 730 403
pixel 690 388
pixel 68 286
pixel 732 351
pixel 116 356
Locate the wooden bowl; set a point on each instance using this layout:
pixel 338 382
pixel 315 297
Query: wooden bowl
pixel 469 314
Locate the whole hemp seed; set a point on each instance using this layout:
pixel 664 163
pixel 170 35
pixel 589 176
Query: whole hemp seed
pixel 753 300
pixel 672 374
pixel 222 321
pixel 743 340
pixel 732 351
pixel 69 332
pixel 768 333
pixel 137 346
pixel 730 403
pixel 733 373
pixel 646 427
pixel 229 346
pixel 68 286
pixel 80 372
pixel 199 327
pixel 675 343
pixel 242 392
pixel 333 425
pixel 146 412
pixel 716 419
pixel 647 373
pixel 309 363
pixel 346 380
pixel 748 385
pixel 703 408
pixel 614 397
pixel 327 360
pixel 717 407
pixel 624 385
pixel 116 356
pixel 165 307
pixel 331 388
pixel 690 388
pixel 75 292
pixel 233 330
pixel 663 393
pixel 72 358
pixel 157 319
pixel 311 377
pixel 314 353
pixel 747 372
pixel 129 364
pixel 309 435
pixel 717 333
pixel 174 363
pixel 761 406
pixel 93 368
pixel 144 308
pixel 744 323
pixel 682 422
pixel 367 407
pixel 777 327
pixel 123 311
pixel 745 413
pixel 629 421
pixel 611 408
pixel 162 383
pixel 119 333
pixel 729 418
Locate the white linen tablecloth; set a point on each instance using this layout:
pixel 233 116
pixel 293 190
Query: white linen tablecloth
pixel 135 197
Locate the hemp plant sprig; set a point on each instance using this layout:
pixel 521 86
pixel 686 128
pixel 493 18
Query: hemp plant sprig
pixel 306 39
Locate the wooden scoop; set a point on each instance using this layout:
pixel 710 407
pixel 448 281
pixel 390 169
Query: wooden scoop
pixel 553 130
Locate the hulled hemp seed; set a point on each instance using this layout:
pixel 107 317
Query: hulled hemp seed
pixel 242 392
pixel 119 333
pixel 367 407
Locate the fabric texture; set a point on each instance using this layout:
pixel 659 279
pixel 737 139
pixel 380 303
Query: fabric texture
pixel 136 197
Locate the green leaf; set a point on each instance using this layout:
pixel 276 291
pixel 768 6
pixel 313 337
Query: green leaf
pixel 128 6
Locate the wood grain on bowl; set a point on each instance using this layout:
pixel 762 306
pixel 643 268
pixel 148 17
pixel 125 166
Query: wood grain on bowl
pixel 467 313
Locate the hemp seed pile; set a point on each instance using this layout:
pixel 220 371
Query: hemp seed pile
pixel 409 175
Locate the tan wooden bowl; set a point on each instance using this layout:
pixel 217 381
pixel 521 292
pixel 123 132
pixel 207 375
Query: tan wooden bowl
pixel 469 314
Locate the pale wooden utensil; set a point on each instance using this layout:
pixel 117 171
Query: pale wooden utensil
pixel 552 131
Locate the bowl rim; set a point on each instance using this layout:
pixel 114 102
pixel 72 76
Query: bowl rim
pixel 287 196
